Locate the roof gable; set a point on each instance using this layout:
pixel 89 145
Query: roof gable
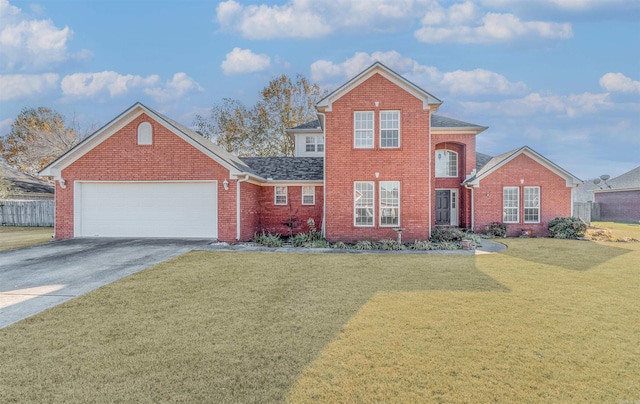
pixel 428 100
pixel 496 162
pixel 221 156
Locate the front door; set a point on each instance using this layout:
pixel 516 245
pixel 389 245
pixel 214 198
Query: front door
pixel 443 207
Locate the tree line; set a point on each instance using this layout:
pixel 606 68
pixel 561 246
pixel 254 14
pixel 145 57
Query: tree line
pixel 40 135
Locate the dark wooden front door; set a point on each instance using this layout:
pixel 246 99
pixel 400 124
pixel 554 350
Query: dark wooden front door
pixel 443 208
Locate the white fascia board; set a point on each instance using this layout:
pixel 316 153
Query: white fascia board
pixel 470 130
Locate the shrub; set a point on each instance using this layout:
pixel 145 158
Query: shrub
pixel 422 245
pixel 322 243
pixel 365 245
pixel 449 245
pixel 476 240
pixel 497 229
pixel 440 234
pixel 268 240
pixel 567 227
pixel 340 245
pixel 308 240
pixel 391 245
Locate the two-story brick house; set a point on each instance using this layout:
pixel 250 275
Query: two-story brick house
pixel 377 159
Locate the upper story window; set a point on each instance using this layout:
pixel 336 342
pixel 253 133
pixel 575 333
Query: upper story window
pixel 314 144
pixel 145 133
pixel 280 195
pixel 363 129
pixel 389 129
pixel 510 204
pixel 446 163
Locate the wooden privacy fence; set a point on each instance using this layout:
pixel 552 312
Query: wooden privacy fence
pixel 586 211
pixel 27 213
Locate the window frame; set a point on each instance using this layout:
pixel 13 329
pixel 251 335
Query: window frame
pixel 511 208
pixel 447 152
pixel 276 195
pixel 145 134
pixel 316 143
pixel 312 194
pixel 369 132
pixel 536 208
pixel 397 129
pixel 395 204
pixel 370 206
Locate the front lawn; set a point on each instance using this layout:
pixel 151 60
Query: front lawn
pixel 269 327
pixel 12 237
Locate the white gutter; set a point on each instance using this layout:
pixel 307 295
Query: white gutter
pixel 246 178
pixel 431 195
pixel 324 174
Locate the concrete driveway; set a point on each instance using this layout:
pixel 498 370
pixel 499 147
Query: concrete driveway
pixel 36 278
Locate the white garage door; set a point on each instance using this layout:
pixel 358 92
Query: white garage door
pixel 146 209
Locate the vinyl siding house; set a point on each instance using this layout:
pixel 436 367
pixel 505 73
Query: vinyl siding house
pixel 378 158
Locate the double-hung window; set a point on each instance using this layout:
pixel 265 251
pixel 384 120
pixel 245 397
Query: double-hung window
pixel 314 144
pixel 363 200
pixel 363 129
pixel 389 129
pixel 280 195
pixel 531 204
pixel 446 163
pixel 389 203
pixel 309 195
pixel 510 204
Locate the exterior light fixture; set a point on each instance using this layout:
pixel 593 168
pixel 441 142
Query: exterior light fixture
pixel 225 184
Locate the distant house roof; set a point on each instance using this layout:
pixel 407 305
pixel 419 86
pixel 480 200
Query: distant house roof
pixel 442 122
pixel 315 124
pixel 482 160
pixel 287 168
pixel 496 162
pixel 627 181
pixel 25 184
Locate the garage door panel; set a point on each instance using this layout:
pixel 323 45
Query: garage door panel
pixel 147 209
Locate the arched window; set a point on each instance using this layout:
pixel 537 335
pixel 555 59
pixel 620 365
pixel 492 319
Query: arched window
pixel 145 133
pixel 446 163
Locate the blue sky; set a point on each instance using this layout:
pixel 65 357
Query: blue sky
pixel 561 76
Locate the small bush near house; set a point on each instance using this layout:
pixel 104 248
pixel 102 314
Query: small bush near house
pixel 567 227
pixel 440 234
pixel 340 246
pixel 322 243
pixel 448 245
pixel 268 240
pixel 422 245
pixel 391 245
pixel 476 240
pixel 365 245
pixel 496 229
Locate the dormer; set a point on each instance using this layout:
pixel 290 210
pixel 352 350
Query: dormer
pixel 309 139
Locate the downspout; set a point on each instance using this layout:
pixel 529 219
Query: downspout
pixel 431 194
pixel 324 176
pixel 246 178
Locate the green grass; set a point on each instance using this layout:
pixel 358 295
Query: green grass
pixel 19 237
pixel 549 321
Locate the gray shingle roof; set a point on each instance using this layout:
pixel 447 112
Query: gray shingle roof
pixel 287 168
pixel 309 125
pixel 439 121
pixel 629 179
pixel 24 183
pixel 482 160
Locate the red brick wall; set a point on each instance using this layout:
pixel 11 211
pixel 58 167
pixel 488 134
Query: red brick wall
pixel 273 216
pixel 120 158
pixel 249 210
pixel 409 164
pixel 620 206
pixel 555 196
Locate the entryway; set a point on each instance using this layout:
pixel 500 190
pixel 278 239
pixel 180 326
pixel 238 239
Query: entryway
pixel 446 207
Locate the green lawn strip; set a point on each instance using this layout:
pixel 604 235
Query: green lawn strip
pixel 20 237
pixel 209 327
pixel 560 335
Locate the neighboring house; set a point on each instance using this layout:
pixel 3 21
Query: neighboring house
pixel 24 187
pixel 377 159
pixel 619 197
pixel 30 200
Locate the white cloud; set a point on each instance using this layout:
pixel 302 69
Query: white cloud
pixel 16 86
pixel 618 82
pixel 570 105
pixel 240 61
pixel 459 82
pixel 461 23
pixel 173 89
pixel 31 44
pixel 568 5
pixel 314 19
pixel 86 85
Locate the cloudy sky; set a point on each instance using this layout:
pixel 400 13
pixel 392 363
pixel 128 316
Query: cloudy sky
pixel 561 76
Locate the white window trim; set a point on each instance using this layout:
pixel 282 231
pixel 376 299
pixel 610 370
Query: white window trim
pixel 373 204
pixel 525 205
pixel 380 205
pixel 312 194
pixel 457 164
pixel 317 141
pixel 517 207
pixel 276 195
pixel 373 130
pixel 380 130
pixel 145 134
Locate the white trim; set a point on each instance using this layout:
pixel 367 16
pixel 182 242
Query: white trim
pixel 373 204
pixel 380 128
pixel 380 204
pixel 313 194
pixel 524 204
pixel 517 207
pixel 373 130
pixel 276 195
pixel 447 167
